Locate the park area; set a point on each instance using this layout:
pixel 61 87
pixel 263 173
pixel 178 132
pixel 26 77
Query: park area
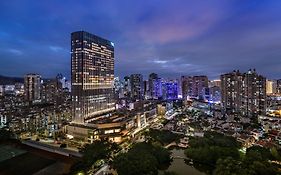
pixel 18 161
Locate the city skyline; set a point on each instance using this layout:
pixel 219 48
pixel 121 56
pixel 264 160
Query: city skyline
pixel 140 87
pixel 209 39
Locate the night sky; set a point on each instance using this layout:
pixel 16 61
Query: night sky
pixel 169 37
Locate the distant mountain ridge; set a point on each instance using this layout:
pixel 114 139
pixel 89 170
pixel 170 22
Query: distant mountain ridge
pixel 5 80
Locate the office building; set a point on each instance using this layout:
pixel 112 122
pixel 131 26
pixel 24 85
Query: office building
pixel 92 76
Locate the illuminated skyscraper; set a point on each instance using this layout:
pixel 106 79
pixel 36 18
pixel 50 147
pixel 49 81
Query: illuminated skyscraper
pixel 32 85
pixel 92 76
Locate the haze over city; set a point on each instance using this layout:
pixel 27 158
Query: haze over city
pixel 171 38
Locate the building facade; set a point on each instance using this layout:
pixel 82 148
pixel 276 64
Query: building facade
pixel 186 83
pixel 231 90
pixel 278 86
pixel 194 87
pixel 153 77
pixel 52 92
pixel 137 87
pixel 200 83
pixel 243 93
pixel 32 87
pixel 254 93
pixel 92 76
pixel 170 90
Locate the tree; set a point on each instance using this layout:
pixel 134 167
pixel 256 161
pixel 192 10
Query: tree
pixel 257 153
pixel 229 166
pixel 92 154
pixel 5 135
pixel 169 173
pixel 99 149
pixel 135 164
pixel 142 158
pixel 162 136
pixel 210 155
pixel 275 153
pixel 260 168
pixel 211 147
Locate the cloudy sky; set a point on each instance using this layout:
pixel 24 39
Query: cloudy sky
pixel 169 37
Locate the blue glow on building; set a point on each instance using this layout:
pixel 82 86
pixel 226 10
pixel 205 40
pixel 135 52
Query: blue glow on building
pixel 170 90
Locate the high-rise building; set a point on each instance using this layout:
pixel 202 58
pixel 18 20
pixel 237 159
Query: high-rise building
pixel 127 86
pixel 278 86
pixel 198 86
pixel 231 90
pixel 254 93
pixel 137 88
pixel 244 93
pixel 194 86
pixel 215 90
pixel 32 86
pixel 117 88
pixel 52 92
pixel 270 87
pixel 215 94
pixel 186 83
pixel 158 90
pixel 153 77
pixel 170 90
pixel 146 89
pixel 213 83
pixel 92 76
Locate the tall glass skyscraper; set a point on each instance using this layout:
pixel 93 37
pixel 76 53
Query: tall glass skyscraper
pixel 92 75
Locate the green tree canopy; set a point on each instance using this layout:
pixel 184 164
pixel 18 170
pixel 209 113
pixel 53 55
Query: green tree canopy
pixel 142 158
pixel 5 135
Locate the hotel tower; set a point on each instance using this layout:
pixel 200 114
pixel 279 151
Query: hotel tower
pixel 92 76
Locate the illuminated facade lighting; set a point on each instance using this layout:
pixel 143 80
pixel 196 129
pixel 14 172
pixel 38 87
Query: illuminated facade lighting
pixel 92 74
